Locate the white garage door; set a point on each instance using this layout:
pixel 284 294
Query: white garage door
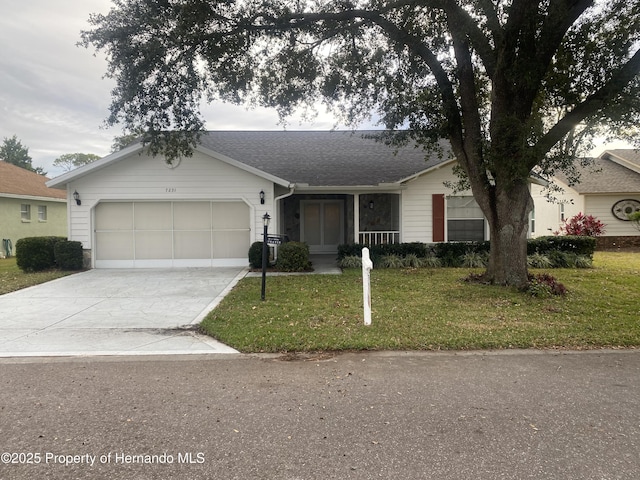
pixel 180 234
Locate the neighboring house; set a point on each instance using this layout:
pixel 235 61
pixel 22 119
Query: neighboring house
pixel 28 208
pixel 608 190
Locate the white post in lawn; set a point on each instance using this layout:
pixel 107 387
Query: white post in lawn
pixel 367 266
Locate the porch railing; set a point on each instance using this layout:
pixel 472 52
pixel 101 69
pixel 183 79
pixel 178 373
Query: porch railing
pixel 379 238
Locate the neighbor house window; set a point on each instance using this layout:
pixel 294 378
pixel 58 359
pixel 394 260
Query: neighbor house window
pixel 533 221
pixel 562 214
pixel 465 221
pixel 42 213
pixel 25 212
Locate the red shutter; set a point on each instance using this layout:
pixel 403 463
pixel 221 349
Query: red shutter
pixel 437 201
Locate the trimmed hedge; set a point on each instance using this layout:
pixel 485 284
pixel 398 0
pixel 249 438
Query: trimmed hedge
pixel 293 257
pixel 579 245
pixel 34 254
pixel 68 255
pixel 453 254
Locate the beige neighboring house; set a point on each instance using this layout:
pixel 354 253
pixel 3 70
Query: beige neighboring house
pixel 609 190
pixel 28 208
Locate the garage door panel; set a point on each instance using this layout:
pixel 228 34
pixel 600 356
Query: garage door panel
pixel 192 215
pixel 114 216
pixel 230 215
pixel 230 244
pixel 114 246
pixel 152 216
pixel 150 245
pixel 192 245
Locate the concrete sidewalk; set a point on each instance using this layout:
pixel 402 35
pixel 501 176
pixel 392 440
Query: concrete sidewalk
pixel 115 312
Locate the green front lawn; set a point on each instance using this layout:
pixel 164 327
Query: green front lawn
pixel 12 278
pixel 432 309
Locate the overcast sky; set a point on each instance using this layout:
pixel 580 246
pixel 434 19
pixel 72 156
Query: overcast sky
pixel 53 96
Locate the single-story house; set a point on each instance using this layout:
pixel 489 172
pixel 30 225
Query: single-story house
pixel 609 190
pixel 28 208
pixel 323 188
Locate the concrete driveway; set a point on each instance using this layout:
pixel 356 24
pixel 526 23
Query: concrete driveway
pixel 114 312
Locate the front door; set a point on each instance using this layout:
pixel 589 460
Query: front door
pixel 322 225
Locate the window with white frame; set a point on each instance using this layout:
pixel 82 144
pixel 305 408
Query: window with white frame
pixel 465 221
pixel 42 213
pixel 532 221
pixel 25 212
pixel 562 214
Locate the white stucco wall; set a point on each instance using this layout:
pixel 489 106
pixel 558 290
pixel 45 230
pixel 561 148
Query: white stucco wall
pixel 142 177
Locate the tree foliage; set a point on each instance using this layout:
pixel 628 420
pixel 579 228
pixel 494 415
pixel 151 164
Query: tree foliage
pixel 69 161
pixel 514 85
pixel 12 151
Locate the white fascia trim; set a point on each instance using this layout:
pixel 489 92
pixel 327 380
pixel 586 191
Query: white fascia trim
pixel 428 170
pixel 609 155
pixel 342 189
pixel 34 198
pixel 79 172
pixel 244 166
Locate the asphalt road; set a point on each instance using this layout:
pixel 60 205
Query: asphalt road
pixel 511 415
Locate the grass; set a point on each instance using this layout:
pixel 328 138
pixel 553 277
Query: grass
pixel 432 309
pixel 12 278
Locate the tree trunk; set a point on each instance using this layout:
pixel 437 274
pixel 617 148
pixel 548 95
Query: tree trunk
pixel 508 226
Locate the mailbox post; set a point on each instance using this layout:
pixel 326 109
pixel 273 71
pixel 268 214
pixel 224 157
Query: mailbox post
pixel 265 253
pixel 367 266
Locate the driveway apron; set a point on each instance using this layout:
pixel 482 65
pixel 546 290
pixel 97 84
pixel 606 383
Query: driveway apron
pixel 115 311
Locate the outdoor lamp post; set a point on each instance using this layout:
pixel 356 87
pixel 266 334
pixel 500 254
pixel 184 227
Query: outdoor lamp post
pixel 265 252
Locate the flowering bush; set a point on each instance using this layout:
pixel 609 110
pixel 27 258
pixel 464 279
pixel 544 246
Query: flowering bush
pixel 583 225
pixel 545 286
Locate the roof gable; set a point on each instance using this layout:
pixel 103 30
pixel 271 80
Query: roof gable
pixel 606 176
pixel 16 181
pixel 309 158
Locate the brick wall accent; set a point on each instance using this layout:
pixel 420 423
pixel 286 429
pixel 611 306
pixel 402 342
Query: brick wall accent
pixel 618 243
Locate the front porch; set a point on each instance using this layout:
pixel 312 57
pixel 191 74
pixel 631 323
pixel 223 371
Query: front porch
pixel 325 221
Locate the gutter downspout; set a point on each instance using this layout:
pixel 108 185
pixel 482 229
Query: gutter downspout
pixel 276 200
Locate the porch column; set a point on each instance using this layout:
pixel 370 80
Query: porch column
pixel 356 218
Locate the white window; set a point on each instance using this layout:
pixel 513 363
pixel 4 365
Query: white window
pixel 25 212
pixel 562 214
pixel 533 221
pixel 465 221
pixel 42 213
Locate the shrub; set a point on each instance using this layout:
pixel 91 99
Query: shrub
pixel 351 261
pixel 293 257
pixel 584 226
pixel 34 254
pixel 544 286
pixel 538 260
pixel 634 218
pixel 255 255
pixel 391 261
pixel 431 261
pixel 583 261
pixel 68 255
pixel 412 261
pixel 579 245
pixel 473 259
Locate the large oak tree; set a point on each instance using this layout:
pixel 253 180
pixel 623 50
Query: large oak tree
pixel 514 85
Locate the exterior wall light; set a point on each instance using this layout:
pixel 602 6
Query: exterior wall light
pixel 261 197
pixel 76 197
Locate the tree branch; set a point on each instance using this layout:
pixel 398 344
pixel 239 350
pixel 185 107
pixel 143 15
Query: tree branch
pixel 592 104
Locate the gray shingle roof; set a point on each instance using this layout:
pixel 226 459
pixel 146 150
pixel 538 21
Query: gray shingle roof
pixel 322 158
pixel 610 177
